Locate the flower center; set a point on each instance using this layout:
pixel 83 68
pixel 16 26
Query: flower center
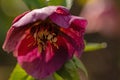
pixel 44 33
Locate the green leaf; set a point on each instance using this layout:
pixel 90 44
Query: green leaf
pixel 57 76
pixel 80 65
pixel 33 4
pixel 95 46
pixel 19 74
pixel 69 71
pixel 66 3
pixel 57 2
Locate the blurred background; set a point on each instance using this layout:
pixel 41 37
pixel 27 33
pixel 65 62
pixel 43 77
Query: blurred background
pixel 103 26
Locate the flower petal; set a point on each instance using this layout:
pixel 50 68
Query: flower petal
pixel 14 35
pixel 40 65
pixel 34 15
pixel 80 22
pixel 61 17
pixel 19 17
pixel 74 34
pixel 26 44
pixel 12 38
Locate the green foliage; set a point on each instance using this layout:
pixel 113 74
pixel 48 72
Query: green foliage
pixel 57 76
pixel 81 2
pixel 80 65
pixel 94 46
pixel 19 74
pixel 70 70
pixel 67 3
pixel 33 4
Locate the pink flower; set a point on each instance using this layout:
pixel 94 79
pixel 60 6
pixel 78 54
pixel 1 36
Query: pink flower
pixel 44 39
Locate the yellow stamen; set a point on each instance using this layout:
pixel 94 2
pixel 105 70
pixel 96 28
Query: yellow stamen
pixel 54 39
pixel 56 45
pixel 40 48
pixel 50 36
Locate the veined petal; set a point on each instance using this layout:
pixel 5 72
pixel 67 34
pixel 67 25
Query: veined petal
pixel 26 44
pixel 40 65
pixel 34 15
pixel 74 34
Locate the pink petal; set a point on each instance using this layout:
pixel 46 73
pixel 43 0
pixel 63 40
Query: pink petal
pixel 12 38
pixel 20 16
pixel 40 65
pixel 14 35
pixel 34 15
pixel 80 22
pixel 25 45
pixel 74 34
pixel 61 17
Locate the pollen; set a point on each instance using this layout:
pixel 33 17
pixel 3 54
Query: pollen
pixel 44 33
pixel 54 39
pixel 50 36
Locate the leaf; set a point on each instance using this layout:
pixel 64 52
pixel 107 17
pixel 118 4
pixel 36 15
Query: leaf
pixel 33 4
pixel 95 46
pixel 57 76
pixel 81 2
pixel 69 71
pixel 66 3
pixel 19 74
pixel 80 65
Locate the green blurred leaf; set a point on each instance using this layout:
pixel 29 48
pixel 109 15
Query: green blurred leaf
pixel 33 4
pixel 95 46
pixel 57 76
pixel 66 3
pixel 19 74
pixel 80 65
pixel 69 71
pixel 57 2
pixel 81 2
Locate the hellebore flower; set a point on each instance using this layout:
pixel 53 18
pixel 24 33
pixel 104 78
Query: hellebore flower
pixel 44 39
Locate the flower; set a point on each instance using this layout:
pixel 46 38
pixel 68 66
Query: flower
pixel 44 39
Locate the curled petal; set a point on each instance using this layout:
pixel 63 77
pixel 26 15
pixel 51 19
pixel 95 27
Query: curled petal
pixel 79 22
pixel 61 17
pixel 37 14
pixel 19 17
pixel 13 37
pixel 74 34
pixel 61 20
